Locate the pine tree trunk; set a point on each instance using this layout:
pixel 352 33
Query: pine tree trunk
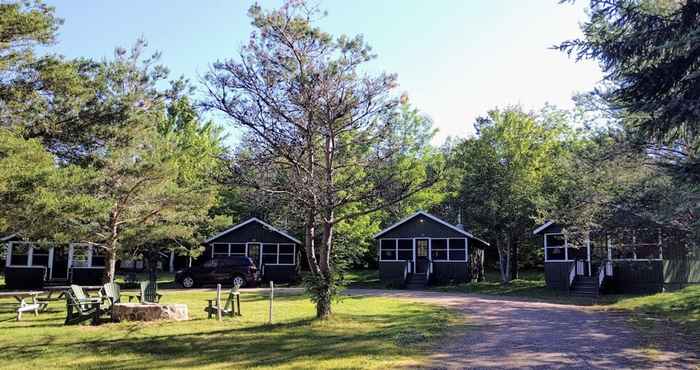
pixel 323 304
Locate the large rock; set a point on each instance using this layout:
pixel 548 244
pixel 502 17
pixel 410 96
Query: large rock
pixel 149 312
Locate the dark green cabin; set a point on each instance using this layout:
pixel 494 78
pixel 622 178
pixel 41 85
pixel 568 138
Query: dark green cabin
pixel 275 252
pixel 423 249
pixel 639 257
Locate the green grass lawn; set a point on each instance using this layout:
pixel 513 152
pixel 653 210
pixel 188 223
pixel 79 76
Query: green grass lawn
pixel 363 279
pixel 365 332
pixel 661 315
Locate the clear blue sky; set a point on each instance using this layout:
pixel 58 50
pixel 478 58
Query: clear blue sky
pixel 456 59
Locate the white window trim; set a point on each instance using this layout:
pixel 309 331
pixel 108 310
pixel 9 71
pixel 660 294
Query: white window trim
pixel 430 249
pixel 278 254
pixel 71 249
pixel 566 248
pixel 50 253
pixel 634 244
pixel 446 249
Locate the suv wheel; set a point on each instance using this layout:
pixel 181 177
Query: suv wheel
pixel 188 282
pixel 239 280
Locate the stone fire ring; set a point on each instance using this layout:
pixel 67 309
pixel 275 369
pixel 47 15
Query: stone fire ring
pixel 149 312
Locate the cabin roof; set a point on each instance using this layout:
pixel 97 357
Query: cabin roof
pixel 433 218
pixel 543 227
pixel 8 237
pixel 250 220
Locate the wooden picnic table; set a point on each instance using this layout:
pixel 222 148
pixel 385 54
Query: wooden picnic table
pixel 61 290
pixel 21 297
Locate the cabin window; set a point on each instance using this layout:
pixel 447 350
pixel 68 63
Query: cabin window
pixel 98 257
pixel 636 244
pixel 81 256
pixel 555 247
pixel 458 250
pixel 405 249
pixel 220 250
pixel 278 254
pixel 387 250
pixel 269 254
pixel 438 250
pixel 286 254
pixel 40 256
pixel 236 249
pixel 20 254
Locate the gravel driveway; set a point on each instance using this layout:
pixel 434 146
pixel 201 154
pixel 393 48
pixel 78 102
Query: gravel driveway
pixel 509 333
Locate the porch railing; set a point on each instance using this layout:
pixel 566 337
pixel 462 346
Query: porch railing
pixel 604 270
pixel 429 270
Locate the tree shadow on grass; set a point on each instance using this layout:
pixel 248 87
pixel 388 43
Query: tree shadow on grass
pixel 302 342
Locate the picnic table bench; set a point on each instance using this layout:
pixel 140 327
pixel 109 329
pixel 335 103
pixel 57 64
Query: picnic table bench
pixel 35 306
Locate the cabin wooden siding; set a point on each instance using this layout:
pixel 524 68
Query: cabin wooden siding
pixel 637 277
pixel 557 275
pixel 391 273
pixel 280 273
pixel 421 226
pixel 448 272
pixel 253 232
pixel 680 273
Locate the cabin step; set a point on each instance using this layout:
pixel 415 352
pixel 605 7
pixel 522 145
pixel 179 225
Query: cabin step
pixel 416 281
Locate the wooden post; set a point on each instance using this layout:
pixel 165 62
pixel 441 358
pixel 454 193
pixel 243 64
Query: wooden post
pixel 218 302
pixel 272 297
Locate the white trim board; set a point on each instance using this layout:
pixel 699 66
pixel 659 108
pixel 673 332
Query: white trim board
pixel 6 238
pixel 428 215
pixel 253 219
pixel 539 229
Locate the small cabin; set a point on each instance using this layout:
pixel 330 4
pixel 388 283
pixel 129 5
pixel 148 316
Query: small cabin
pixel 31 265
pixel 639 257
pixel 423 249
pixel 274 251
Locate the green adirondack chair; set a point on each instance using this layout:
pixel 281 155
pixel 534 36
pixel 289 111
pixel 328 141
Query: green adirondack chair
pixel 79 310
pixel 81 297
pixel 111 294
pixel 231 308
pixel 149 292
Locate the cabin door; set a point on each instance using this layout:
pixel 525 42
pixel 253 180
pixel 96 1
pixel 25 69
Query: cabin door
pixel 254 253
pixel 421 256
pixel 59 265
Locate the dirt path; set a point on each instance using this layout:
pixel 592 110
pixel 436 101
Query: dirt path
pixel 520 334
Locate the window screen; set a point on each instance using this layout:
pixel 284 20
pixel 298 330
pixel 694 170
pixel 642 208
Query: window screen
pixel 439 249
pixel 457 250
pixel 387 250
pixel 405 249
pixel 221 249
pixel 237 249
pixel 269 253
pixel 98 257
pixel 286 254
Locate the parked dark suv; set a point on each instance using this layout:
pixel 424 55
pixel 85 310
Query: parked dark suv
pixel 226 270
